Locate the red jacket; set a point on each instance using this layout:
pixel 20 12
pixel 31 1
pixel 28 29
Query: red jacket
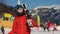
pixel 20 25
pixel 49 24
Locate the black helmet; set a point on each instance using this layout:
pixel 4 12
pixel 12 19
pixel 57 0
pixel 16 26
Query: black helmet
pixel 17 7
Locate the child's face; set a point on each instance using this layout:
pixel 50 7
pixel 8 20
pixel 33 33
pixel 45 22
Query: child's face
pixel 20 10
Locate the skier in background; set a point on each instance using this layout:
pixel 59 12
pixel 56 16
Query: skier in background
pixel 49 24
pixel 55 27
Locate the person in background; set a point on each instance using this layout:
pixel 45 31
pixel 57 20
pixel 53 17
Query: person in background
pixel 55 27
pixel 49 24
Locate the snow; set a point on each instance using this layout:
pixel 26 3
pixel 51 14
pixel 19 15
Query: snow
pixel 35 30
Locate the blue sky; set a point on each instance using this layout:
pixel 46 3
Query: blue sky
pixel 33 3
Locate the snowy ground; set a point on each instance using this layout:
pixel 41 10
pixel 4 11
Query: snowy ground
pixel 35 31
pixel 45 32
